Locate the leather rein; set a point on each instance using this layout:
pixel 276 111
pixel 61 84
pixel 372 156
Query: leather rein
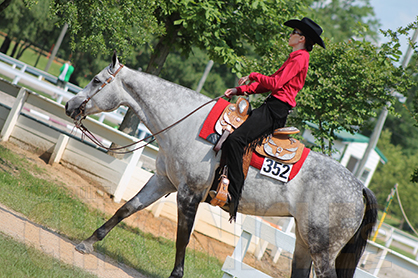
pixel 85 132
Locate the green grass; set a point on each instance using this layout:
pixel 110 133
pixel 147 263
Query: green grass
pixel 30 56
pixel 389 219
pixel 52 205
pixel 19 260
pixel 399 250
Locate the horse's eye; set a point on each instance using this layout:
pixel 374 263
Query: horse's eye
pixel 96 80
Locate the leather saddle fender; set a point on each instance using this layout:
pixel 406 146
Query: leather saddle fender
pixel 231 118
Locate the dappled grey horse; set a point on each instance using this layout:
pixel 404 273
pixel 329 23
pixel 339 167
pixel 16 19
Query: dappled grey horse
pixel 333 211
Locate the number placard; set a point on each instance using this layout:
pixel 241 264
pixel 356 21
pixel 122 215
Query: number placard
pixel 276 170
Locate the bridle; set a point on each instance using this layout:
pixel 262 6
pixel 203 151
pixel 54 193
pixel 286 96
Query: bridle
pixel 82 106
pixel 85 132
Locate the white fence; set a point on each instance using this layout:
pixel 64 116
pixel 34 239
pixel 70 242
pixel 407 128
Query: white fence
pixel 124 177
pixel 113 173
pixel 34 78
pixel 391 236
pixel 41 75
pixel 234 266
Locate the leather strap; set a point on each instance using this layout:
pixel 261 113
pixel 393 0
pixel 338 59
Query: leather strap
pixel 221 140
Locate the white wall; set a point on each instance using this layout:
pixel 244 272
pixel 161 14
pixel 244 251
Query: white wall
pixel 347 149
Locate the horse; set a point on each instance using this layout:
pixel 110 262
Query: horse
pixel 333 211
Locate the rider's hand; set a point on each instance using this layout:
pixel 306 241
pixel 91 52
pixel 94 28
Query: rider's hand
pixel 243 80
pixel 230 92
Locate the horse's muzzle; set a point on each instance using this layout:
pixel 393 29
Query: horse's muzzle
pixel 72 111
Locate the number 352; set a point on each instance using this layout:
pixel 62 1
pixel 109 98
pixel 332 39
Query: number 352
pixel 276 170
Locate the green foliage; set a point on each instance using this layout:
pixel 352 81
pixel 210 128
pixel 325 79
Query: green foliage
pixel 28 23
pixel 345 86
pixel 104 26
pixel 192 69
pixel 402 133
pixel 341 18
pixel 414 177
pixel 397 170
pixel 20 21
pixel 221 27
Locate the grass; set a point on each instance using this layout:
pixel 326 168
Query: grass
pixel 30 56
pixel 19 260
pixel 49 204
pixel 396 249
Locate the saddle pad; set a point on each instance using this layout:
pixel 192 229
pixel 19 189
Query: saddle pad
pixel 208 128
pixel 258 160
pixel 208 131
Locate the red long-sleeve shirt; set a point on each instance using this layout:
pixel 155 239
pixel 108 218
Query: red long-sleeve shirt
pixel 285 83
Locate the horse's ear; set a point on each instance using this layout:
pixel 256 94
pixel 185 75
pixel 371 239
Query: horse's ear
pixel 115 61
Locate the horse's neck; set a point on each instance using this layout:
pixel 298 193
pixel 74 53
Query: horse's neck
pixel 160 103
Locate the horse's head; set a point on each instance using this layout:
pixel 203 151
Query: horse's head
pixel 101 94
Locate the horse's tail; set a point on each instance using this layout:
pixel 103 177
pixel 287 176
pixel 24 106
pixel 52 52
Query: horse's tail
pixel 350 255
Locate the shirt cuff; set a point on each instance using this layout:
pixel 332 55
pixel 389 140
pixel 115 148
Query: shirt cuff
pixel 239 91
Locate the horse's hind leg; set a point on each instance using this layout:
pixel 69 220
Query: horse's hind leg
pixel 187 203
pixel 302 261
pixel 154 189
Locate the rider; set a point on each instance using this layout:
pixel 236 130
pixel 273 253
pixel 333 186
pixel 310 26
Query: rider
pixel 284 85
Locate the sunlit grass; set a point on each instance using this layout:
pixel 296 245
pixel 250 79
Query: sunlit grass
pixel 20 260
pixel 23 188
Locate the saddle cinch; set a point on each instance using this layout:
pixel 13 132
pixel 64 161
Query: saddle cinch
pixel 278 146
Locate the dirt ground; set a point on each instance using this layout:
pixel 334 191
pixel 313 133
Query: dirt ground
pixel 95 196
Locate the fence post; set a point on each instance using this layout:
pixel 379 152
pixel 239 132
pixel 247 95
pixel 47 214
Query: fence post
pixel 126 176
pixel 287 231
pixel 59 149
pixel 14 113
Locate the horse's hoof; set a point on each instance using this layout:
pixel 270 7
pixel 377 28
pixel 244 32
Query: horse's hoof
pixel 84 248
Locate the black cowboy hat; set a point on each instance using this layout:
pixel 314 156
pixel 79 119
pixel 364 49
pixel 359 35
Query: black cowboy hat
pixel 308 28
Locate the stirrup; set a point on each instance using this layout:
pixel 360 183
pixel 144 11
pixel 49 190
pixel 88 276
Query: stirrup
pixel 221 195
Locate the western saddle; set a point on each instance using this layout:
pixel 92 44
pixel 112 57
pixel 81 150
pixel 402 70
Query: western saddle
pixel 278 146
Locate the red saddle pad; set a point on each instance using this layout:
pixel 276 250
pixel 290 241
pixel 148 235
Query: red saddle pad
pixel 208 128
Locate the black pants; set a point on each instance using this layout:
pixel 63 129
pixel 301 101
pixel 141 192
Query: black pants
pixel 272 114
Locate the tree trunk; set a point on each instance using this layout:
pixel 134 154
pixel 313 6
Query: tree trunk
pixel 22 49
pixel 4 5
pixel 15 48
pixel 5 45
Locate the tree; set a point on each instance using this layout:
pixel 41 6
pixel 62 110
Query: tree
pixel 4 5
pixel 219 27
pixel 341 18
pixel 396 171
pixel 413 110
pixel 345 86
pixel 192 69
pixel 25 21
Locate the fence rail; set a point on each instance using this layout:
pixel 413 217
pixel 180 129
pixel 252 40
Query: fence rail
pixel 35 78
pixel 113 171
pixel 252 226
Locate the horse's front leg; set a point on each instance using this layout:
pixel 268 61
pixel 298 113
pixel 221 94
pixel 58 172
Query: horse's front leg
pixel 187 204
pixel 154 189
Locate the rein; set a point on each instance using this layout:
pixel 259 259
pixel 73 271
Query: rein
pixel 88 134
